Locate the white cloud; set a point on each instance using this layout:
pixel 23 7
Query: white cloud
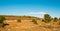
pixel 37 12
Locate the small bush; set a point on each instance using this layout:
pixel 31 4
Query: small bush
pixel 34 21
pixel 4 25
pixel 2 19
pixel 18 20
pixel 55 19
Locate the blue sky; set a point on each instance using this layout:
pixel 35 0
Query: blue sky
pixel 30 7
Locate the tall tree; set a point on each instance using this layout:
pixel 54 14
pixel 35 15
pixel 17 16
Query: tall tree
pixel 47 18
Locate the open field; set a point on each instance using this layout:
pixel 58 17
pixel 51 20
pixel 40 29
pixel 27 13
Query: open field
pixel 27 25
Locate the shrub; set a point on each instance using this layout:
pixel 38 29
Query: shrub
pixel 2 19
pixel 55 19
pixel 34 21
pixel 18 20
pixel 4 25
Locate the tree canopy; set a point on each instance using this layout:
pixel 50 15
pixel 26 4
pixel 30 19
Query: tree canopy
pixel 47 18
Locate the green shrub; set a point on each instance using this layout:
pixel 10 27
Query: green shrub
pixel 55 19
pixel 34 21
pixel 2 19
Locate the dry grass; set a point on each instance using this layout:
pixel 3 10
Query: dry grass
pixel 30 26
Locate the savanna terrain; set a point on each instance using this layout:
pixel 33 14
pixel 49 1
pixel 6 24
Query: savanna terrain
pixel 29 23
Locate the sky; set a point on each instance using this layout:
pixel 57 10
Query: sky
pixel 30 7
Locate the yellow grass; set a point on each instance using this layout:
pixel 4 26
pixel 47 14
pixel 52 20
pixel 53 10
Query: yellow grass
pixel 30 26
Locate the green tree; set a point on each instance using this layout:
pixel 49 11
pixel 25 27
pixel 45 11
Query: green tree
pixel 34 21
pixel 55 19
pixel 47 18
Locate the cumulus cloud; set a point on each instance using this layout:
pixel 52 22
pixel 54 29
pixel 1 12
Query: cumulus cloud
pixel 37 12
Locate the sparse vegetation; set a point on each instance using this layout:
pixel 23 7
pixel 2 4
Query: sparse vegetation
pixel 59 23
pixel 55 19
pixel 59 18
pixel 34 21
pixel 2 24
pixel 42 25
pixel 43 20
pixel 2 19
pixel 52 18
pixel 19 20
